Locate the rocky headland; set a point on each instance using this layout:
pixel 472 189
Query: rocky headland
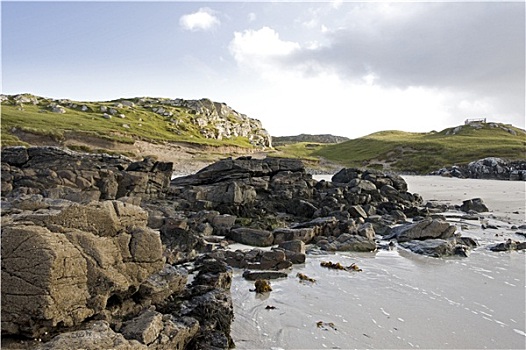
pixel 103 252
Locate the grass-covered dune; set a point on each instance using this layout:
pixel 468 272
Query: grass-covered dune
pixel 425 152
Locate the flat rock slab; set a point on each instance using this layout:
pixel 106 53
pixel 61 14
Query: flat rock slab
pixel 264 275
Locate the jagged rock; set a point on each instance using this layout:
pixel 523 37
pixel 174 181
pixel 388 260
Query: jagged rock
pixel 357 211
pixel 425 229
pixel 474 205
pixel 60 173
pixel 16 156
pixel 157 287
pixel 240 168
pixel 211 305
pixel 145 328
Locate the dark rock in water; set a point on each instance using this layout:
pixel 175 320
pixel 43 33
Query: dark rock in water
pixel 507 246
pixel 262 286
pixel 422 230
pixel 431 247
pixel 266 275
pixel 256 259
pixel 475 204
pixel 438 247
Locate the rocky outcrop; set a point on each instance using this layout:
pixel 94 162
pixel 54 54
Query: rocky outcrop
pixel 208 119
pixel 86 272
pixel 219 121
pixel 487 168
pixel 62 174
pixel 61 266
pixel 83 263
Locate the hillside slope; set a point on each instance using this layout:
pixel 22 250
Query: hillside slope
pixel 320 138
pixel 127 120
pixel 425 152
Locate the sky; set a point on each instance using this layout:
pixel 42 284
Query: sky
pixel 333 67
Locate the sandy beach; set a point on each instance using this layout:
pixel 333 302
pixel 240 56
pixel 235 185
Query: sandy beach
pixel 402 300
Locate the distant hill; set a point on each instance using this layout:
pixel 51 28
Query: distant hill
pixel 424 152
pixel 324 138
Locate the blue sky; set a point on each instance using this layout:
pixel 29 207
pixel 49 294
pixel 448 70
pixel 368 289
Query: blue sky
pixel 345 68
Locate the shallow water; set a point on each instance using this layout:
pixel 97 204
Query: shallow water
pixel 400 299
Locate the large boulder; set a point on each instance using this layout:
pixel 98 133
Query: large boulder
pixel 253 237
pixel 44 281
pixel 474 205
pixel 438 248
pixel 425 229
pixel 58 271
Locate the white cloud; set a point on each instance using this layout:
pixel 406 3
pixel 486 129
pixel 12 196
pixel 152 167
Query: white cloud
pixel 204 19
pixel 313 98
pixel 252 17
pixel 260 49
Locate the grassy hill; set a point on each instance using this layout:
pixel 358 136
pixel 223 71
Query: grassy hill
pixel 123 121
pixel 308 138
pixel 201 131
pixel 425 152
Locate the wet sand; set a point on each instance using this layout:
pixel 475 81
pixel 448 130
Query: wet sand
pixel 401 300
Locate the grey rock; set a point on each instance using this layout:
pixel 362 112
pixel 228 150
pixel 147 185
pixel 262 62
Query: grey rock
pixel 430 247
pixel 288 234
pixel 475 204
pixel 295 246
pixel 253 237
pixel 425 229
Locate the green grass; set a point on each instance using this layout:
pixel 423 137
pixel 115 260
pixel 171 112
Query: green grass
pixel 143 124
pixel 301 150
pixel 425 152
